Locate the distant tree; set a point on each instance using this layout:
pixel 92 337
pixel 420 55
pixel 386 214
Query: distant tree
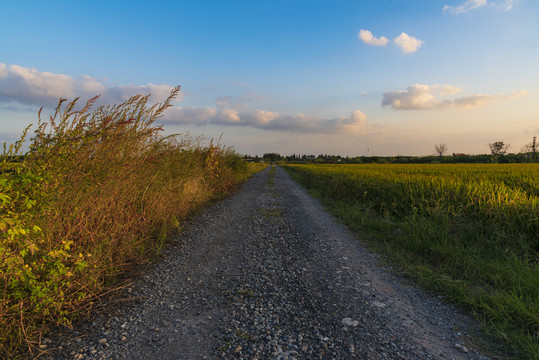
pixel 272 157
pixel 440 149
pixel 499 148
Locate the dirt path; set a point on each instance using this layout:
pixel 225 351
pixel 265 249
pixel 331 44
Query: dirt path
pixel 267 274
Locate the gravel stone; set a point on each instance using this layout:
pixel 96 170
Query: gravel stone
pixel 350 322
pixel 268 274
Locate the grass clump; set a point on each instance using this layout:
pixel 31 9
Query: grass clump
pixel 469 232
pixel 98 190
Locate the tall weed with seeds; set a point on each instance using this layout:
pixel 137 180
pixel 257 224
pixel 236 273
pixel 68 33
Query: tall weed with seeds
pixel 98 191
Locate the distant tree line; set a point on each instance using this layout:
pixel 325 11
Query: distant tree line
pixel 498 154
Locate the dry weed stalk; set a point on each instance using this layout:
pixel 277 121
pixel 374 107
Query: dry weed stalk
pixel 98 190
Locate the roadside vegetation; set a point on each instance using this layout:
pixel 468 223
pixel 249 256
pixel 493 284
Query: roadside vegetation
pixel 467 232
pixel 98 191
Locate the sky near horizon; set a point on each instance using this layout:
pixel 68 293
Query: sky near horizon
pixel 363 77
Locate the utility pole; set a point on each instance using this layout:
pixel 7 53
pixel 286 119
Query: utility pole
pixel 534 148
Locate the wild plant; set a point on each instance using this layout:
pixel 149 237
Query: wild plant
pixel 98 191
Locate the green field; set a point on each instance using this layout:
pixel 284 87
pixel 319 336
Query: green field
pixel 468 232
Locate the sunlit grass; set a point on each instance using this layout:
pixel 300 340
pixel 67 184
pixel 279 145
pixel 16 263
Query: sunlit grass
pixel 469 232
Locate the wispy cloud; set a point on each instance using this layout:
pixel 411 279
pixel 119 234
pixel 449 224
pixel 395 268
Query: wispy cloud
pixel 20 85
pixel 405 42
pixel 267 120
pixel 30 86
pixel 238 102
pixel 470 5
pixel 234 111
pixel 507 5
pixel 465 7
pixel 425 97
pixel 367 37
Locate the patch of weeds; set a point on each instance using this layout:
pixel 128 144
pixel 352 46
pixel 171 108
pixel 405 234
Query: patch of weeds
pixel 244 335
pixel 248 293
pixel 269 213
pixel 271 180
pixel 229 295
pixel 265 212
pixel 225 347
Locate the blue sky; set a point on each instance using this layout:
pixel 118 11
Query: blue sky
pixel 382 77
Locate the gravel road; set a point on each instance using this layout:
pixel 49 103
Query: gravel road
pixel 268 274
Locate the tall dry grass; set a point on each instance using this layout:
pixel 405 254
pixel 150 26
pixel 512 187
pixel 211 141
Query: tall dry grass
pixel 98 190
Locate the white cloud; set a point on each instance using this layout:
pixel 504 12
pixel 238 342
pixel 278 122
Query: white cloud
pixel 159 92
pixel 231 116
pixel 91 85
pixel 507 5
pixel 407 43
pixel 259 118
pixel 448 89
pixel 19 85
pixel 30 86
pixel 478 100
pixel 190 115
pixel 465 7
pixel 367 37
pixel 470 5
pixel 425 97
pixel 3 71
pixel 267 120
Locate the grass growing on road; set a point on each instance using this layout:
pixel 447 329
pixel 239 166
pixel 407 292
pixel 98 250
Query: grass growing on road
pixel 469 232
pixel 97 192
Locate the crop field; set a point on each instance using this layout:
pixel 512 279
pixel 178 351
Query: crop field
pixel 467 232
